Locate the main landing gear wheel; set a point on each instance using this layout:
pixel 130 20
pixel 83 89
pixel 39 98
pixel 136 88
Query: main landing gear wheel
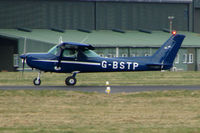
pixel 70 81
pixel 37 81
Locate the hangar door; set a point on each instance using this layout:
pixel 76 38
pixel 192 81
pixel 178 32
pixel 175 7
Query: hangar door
pixel 8 51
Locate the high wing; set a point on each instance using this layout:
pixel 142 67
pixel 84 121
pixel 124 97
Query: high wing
pixel 74 45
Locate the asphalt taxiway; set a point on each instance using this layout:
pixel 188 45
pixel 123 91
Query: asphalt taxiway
pixel 101 89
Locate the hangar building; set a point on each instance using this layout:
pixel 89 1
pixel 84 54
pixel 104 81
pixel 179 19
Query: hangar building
pixel 114 27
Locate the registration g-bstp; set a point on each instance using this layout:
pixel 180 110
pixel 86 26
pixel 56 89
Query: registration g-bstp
pixel 120 65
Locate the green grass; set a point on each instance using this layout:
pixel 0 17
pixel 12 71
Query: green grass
pixel 99 79
pixel 59 111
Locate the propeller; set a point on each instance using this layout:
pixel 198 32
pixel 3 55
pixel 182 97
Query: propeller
pixel 23 57
pixel 23 64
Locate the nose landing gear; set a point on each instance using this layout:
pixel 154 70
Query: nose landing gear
pixel 37 80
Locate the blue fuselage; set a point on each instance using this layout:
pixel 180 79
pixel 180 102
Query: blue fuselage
pixel 48 62
pixel 71 57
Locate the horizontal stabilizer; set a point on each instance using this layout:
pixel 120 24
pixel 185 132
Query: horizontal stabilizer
pixel 155 66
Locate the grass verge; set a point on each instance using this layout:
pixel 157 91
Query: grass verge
pixel 57 111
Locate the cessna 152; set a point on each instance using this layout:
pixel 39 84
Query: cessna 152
pixel 70 57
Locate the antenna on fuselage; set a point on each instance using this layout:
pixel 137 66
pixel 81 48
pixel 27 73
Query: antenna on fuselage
pixel 60 40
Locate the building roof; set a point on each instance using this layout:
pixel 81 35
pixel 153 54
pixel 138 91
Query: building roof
pixel 103 38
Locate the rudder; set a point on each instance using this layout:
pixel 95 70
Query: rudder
pixel 166 54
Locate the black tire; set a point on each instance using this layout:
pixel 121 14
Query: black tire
pixel 71 81
pixel 36 82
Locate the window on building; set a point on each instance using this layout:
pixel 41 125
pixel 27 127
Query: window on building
pixel 102 55
pixel 16 60
pixel 184 58
pixel 133 55
pixel 124 55
pixel 90 53
pixel 109 55
pixel 190 59
pixel 177 59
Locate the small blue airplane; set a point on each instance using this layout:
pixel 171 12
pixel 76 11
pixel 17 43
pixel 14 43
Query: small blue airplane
pixel 71 57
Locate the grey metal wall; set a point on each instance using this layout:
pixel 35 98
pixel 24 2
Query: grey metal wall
pixel 197 3
pixel 8 47
pixel 141 15
pixel 91 15
pixel 46 13
pixel 197 20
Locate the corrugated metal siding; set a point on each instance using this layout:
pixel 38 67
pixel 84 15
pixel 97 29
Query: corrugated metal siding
pixel 130 16
pixel 198 59
pixel 46 14
pixel 70 15
pixel 197 3
pixel 197 20
pixel 105 15
pixel 20 13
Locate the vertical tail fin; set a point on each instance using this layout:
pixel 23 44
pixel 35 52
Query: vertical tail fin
pixel 168 51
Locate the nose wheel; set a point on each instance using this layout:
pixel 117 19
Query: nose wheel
pixel 37 80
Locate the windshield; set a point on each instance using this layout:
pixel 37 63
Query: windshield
pixel 54 50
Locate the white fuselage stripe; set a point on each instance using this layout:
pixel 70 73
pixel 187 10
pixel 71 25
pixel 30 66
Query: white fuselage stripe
pixel 71 62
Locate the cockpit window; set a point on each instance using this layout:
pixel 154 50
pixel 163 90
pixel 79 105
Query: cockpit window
pixel 69 53
pixel 73 52
pixel 90 53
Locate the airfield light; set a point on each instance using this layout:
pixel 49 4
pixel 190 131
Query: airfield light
pixel 170 22
pixel 174 32
pixel 107 87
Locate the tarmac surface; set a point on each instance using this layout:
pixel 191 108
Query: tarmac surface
pixel 101 89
